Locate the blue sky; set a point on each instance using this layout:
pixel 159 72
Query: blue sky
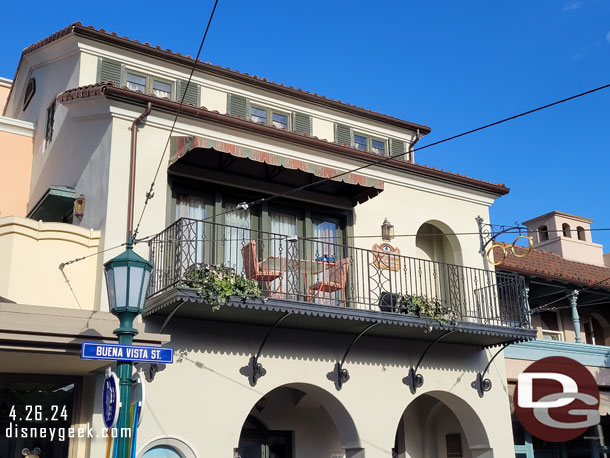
pixel 450 65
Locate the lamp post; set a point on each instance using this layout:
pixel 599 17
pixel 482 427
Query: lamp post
pixel 127 279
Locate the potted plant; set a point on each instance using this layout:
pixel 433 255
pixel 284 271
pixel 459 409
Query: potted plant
pixel 425 307
pixel 216 284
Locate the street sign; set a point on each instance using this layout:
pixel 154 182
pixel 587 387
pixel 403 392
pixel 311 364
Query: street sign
pixel 135 353
pixel 110 399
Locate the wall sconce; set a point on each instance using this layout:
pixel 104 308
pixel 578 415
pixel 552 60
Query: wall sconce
pixel 79 207
pixel 261 404
pixel 387 230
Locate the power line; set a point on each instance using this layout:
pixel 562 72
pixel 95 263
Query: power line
pixel 246 205
pixel 150 193
pixel 546 307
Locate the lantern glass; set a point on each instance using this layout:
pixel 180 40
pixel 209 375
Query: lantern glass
pixel 387 230
pixel 127 278
pixel 110 287
pixel 120 286
pixel 136 275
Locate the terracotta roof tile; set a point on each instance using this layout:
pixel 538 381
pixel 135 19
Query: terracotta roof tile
pixel 78 27
pixel 102 88
pixel 553 266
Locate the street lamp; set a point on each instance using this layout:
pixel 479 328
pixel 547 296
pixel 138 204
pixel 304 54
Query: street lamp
pixel 127 279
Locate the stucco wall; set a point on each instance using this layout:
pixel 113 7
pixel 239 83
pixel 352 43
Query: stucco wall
pixel 16 159
pixel 31 254
pixel 204 399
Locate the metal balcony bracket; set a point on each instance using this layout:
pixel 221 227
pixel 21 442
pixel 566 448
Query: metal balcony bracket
pixel 414 380
pixel 489 232
pixel 482 384
pixel 255 370
pixel 341 375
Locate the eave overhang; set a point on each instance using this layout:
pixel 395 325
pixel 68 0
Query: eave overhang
pixel 186 303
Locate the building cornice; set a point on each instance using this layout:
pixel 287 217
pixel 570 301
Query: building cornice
pixel 16 126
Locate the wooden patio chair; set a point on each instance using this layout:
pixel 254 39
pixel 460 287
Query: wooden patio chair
pixel 333 279
pixel 255 271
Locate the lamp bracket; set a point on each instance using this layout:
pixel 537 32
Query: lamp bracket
pixel 342 375
pixel 414 380
pixel 482 384
pixel 256 369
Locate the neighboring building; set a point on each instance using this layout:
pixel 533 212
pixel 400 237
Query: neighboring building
pixel 240 138
pixel 16 157
pixel 569 302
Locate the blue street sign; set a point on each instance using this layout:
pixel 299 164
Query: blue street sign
pixel 135 353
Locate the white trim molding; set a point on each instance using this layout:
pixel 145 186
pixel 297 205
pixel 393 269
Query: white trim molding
pixel 16 126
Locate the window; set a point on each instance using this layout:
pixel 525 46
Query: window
pixel 580 231
pixel 566 230
pixel 543 233
pixel 367 143
pixel 167 447
pixel 30 90
pixel 136 82
pixel 162 451
pixel 269 117
pixel 161 89
pixel 48 134
pixel 149 84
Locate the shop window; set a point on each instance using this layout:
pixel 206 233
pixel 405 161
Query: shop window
pixel 567 232
pixel 543 233
pixel 35 402
pixel 162 451
pixel 580 231
pixel 167 447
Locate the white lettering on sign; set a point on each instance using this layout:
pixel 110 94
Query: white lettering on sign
pixel 105 352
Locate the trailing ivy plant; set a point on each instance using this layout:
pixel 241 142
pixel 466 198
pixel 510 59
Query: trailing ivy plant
pixel 425 307
pixel 216 284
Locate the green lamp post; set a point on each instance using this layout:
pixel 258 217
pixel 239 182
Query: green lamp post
pixel 127 279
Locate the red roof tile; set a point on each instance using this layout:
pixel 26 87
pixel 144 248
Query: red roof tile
pixel 108 88
pixel 553 266
pixel 102 34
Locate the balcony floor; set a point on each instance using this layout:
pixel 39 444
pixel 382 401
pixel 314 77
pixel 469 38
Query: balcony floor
pixel 311 316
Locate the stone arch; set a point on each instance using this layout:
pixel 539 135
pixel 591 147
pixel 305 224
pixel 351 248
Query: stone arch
pixel 436 241
pixel 427 411
pixel 311 395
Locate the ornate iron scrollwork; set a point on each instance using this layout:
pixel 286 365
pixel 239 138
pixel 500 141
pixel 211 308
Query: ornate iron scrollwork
pixel 414 380
pixel 482 384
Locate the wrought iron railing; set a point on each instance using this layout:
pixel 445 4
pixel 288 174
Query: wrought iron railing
pixel 317 270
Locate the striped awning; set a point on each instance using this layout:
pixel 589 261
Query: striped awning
pixel 180 145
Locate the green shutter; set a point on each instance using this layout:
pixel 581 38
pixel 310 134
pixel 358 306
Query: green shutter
pixel 343 134
pixel 237 106
pixel 301 123
pixel 109 70
pixel 192 92
pixel 397 147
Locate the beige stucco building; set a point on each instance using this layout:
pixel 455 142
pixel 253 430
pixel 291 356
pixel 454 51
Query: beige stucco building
pixel 334 294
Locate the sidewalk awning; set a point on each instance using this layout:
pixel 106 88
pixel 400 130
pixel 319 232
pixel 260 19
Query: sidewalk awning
pixel 212 160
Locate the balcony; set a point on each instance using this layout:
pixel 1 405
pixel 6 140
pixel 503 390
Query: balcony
pixel 318 279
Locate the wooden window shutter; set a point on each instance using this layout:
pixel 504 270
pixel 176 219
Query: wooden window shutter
pixel 192 92
pixel 237 106
pixel 109 70
pixel 398 147
pixel 343 134
pixel 301 123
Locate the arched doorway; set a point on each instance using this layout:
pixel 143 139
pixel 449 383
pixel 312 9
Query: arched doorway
pixel 440 424
pixel 439 259
pixel 298 420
